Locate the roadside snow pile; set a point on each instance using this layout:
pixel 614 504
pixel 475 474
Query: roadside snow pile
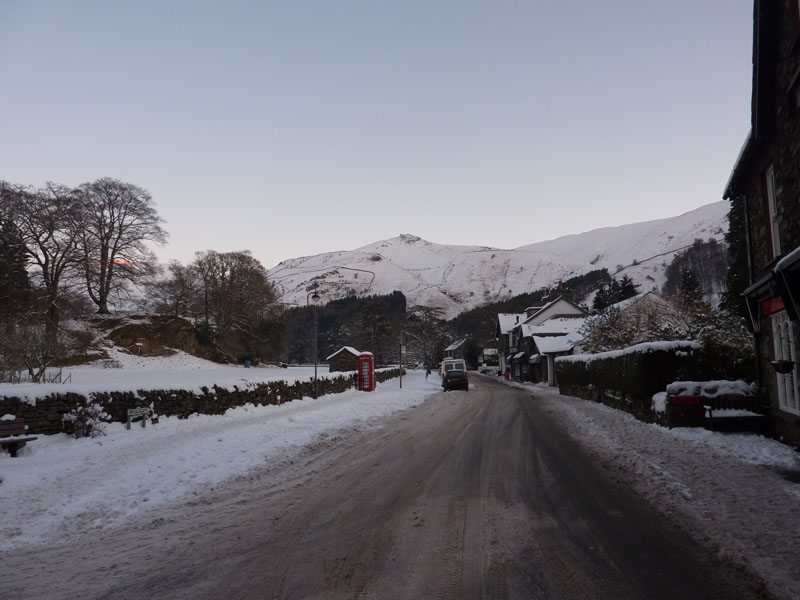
pixel 60 486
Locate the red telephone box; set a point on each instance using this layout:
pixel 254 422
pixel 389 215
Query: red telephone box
pixel 366 372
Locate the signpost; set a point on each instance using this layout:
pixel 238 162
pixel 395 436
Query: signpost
pixel 143 412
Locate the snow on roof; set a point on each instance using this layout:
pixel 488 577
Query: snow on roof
pixel 557 343
pixel 349 349
pixel 554 326
pixel 788 260
pixel 536 318
pixel 625 304
pixel 507 321
pixel 456 345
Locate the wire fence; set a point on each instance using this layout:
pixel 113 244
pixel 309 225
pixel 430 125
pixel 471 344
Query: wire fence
pixel 54 375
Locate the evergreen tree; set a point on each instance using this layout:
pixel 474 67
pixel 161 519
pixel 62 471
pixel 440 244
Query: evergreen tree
pixel 626 289
pixel 738 272
pixel 473 353
pixel 613 292
pixel 602 299
pixel 690 287
pixel 15 286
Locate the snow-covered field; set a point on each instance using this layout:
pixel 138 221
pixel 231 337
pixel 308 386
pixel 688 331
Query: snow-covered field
pixel 127 372
pixel 738 492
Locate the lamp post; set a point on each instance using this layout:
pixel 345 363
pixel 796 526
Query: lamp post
pixel 313 295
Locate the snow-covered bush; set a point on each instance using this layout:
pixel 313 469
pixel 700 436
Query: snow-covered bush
pixel 727 348
pixel 86 420
pixel 638 321
pixel 727 351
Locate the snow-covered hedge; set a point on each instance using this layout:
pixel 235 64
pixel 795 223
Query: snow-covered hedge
pixel 628 378
pixel 46 414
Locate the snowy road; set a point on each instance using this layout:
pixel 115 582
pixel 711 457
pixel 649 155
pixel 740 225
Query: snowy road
pixel 478 494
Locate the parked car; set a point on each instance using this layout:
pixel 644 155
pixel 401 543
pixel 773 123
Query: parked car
pixel 455 379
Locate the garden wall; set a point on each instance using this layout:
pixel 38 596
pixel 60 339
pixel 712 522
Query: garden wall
pixel 44 415
pixel 627 379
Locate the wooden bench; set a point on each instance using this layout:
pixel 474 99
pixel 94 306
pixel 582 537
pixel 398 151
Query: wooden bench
pixel 724 412
pixel 12 435
pixel 737 412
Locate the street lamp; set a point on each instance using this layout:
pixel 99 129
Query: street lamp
pixel 313 295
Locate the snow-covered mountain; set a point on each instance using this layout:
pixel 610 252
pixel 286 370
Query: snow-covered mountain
pixel 457 278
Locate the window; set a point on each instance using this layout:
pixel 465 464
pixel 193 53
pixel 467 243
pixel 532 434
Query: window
pixel 785 349
pixel 773 213
pixel 794 8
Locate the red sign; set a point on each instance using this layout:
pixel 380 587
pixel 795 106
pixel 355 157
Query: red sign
pixel 686 399
pixel 772 305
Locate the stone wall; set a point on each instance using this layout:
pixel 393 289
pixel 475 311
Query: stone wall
pixel 44 416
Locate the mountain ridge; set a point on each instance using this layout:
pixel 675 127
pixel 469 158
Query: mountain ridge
pixel 459 277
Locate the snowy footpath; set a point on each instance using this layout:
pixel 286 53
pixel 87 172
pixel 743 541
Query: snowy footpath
pixel 738 494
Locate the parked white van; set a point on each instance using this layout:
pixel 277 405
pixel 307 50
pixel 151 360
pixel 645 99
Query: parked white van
pixel 450 363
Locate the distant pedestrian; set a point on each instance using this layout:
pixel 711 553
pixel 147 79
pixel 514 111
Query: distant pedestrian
pixel 427 372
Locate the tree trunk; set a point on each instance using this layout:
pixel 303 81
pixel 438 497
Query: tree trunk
pixel 53 317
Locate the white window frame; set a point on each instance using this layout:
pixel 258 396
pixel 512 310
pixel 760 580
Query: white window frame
pixel 773 212
pixel 785 348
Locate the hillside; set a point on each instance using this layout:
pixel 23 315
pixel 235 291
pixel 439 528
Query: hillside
pixel 456 278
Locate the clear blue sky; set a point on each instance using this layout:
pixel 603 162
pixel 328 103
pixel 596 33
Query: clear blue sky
pixel 296 127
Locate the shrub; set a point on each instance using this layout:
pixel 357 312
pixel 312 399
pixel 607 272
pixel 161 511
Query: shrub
pixel 86 420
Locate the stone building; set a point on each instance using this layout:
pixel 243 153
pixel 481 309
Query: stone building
pixel 344 359
pixel 764 190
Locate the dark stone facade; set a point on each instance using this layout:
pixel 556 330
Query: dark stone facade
pixel 44 416
pixel 772 153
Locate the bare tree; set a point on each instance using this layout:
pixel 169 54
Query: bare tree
pixel 176 293
pixel 426 327
pixel 119 218
pixel 235 297
pixel 48 222
pixel 234 289
pixel 31 347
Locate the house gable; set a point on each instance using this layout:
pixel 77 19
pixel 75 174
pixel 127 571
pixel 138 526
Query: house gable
pixel 560 307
